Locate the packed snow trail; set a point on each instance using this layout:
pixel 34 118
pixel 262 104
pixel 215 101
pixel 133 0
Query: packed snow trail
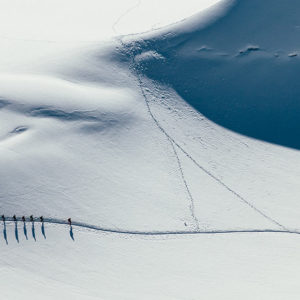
pixel 147 233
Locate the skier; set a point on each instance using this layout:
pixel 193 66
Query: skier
pixel 15 218
pixel 31 218
pixel 69 221
pixel 42 219
pixel 23 219
pixel 3 218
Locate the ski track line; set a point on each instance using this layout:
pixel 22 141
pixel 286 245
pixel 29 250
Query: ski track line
pixel 151 233
pixel 130 9
pixel 171 141
pixel 192 201
pixel 201 167
pixel 242 199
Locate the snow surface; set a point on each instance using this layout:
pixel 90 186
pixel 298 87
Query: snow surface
pixel 175 152
pixel 89 20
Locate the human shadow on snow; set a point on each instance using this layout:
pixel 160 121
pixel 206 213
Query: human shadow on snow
pixel 5 233
pixel 16 231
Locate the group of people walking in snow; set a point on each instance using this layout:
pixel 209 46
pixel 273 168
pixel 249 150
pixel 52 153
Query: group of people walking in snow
pixel 41 218
pixel 31 219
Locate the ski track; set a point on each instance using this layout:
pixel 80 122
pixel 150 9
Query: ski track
pixel 201 167
pixel 192 201
pixel 149 233
pixel 135 69
pixel 130 9
pixel 171 141
pixel 173 144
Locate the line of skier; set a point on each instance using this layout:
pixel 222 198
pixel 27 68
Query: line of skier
pixel 41 218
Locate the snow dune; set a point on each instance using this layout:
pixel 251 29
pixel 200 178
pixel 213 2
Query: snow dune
pixel 174 151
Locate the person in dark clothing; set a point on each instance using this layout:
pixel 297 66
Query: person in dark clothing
pixel 69 221
pixel 15 218
pixel 3 218
pixel 23 219
pixel 31 218
pixel 42 219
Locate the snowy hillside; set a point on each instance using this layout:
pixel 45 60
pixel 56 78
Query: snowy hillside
pixel 253 66
pixel 174 151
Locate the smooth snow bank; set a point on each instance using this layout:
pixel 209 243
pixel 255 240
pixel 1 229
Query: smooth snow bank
pixel 91 20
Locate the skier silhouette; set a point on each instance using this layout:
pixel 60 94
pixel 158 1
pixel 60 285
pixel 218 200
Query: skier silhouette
pixel 3 218
pixel 15 218
pixel 23 219
pixel 42 219
pixel 31 218
pixel 69 221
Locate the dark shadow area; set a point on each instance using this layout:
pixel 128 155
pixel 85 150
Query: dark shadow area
pixel 33 231
pixel 257 97
pixel 240 70
pixel 5 233
pixel 43 230
pixel 71 233
pixel 16 231
pixel 3 103
pixel 25 230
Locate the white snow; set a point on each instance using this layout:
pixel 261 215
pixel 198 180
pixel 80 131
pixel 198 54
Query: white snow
pixel 89 20
pixel 175 151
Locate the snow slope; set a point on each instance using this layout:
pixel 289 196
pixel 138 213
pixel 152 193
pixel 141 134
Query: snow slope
pixel 251 56
pixel 91 20
pixel 108 266
pixel 174 193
